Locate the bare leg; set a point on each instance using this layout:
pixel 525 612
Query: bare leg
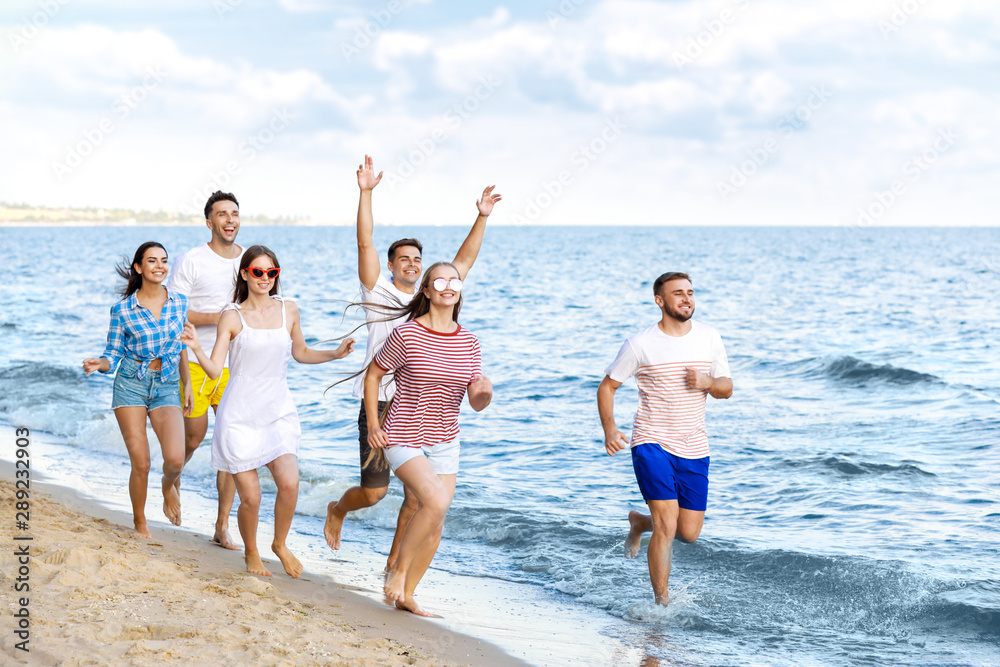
pixel 419 540
pixel 226 488
pixel 132 422
pixel 406 510
pixel 248 485
pixel 639 523
pixel 424 557
pixel 285 470
pixel 195 429
pixel 168 424
pixel 355 498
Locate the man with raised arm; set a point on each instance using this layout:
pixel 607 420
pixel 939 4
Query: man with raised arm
pixel 677 363
pixel 405 266
pixel 206 275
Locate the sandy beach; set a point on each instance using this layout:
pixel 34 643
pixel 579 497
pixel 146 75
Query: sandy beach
pixel 100 596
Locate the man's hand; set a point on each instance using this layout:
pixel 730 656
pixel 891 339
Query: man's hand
pixel 615 441
pixel 367 180
pixel 698 380
pixel 486 202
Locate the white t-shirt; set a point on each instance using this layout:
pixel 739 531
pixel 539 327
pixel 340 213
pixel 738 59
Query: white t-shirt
pixel 208 281
pixel 670 413
pixel 383 294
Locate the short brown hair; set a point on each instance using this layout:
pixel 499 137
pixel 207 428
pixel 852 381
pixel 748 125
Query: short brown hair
pixel 666 278
pixel 402 242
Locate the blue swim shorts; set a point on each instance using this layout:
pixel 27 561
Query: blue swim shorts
pixel 151 392
pixel 663 476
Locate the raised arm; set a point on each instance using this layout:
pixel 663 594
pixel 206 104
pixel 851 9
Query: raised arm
pixel 304 354
pixel 467 254
pixel 368 266
pixel 614 440
pixel 229 326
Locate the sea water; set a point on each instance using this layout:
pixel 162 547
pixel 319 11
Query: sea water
pixel 853 511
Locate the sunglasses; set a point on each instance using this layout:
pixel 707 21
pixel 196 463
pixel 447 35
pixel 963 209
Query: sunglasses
pixel 259 273
pixel 440 284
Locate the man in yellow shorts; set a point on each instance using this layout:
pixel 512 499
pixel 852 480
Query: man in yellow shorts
pixel 206 274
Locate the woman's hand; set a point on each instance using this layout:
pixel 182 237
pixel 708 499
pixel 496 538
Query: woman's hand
pixel 92 364
pixel 345 349
pixel 377 438
pixel 190 337
pixel 188 399
pixel 480 392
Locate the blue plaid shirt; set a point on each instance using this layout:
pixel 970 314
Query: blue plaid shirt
pixel 135 334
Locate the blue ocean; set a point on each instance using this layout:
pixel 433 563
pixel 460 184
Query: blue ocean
pixel 854 507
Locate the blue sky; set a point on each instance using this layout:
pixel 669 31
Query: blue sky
pixel 581 111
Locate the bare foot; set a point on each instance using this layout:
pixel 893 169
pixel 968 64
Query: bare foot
pixel 171 502
pixel 410 605
pixel 331 529
pixel 663 601
pixel 142 530
pixel 636 520
pixel 291 564
pixel 395 586
pixel 255 565
pixel 222 538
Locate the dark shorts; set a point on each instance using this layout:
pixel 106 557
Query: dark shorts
pixel 370 479
pixel 663 476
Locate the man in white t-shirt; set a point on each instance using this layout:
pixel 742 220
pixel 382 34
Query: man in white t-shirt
pixel 677 363
pixel 206 274
pixel 406 267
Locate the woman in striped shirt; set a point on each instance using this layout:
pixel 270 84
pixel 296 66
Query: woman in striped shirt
pixel 144 343
pixel 435 361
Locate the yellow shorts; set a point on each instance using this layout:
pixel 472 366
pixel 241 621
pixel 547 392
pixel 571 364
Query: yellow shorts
pixel 206 390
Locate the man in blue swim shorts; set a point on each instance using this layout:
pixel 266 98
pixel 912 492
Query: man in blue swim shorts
pixel 677 363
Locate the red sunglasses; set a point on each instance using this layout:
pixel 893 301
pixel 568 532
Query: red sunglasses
pixel 259 273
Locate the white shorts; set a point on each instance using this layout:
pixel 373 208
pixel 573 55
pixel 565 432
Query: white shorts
pixel 443 456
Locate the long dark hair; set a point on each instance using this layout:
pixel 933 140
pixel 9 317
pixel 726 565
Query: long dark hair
pixel 242 290
pixel 133 281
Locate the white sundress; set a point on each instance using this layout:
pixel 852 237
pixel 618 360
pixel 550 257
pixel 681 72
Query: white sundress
pixel 256 422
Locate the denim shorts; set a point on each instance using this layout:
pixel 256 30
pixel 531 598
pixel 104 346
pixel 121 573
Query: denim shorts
pixel 151 392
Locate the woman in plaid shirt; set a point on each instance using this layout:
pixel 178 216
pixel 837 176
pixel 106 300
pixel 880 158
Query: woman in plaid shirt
pixel 144 343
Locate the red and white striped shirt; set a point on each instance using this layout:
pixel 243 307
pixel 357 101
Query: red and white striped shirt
pixel 432 372
pixel 670 413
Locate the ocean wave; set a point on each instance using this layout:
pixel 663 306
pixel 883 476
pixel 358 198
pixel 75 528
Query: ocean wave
pixel 857 372
pixel 845 466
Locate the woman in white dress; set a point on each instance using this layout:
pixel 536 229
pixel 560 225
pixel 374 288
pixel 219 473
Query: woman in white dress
pixel 257 423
